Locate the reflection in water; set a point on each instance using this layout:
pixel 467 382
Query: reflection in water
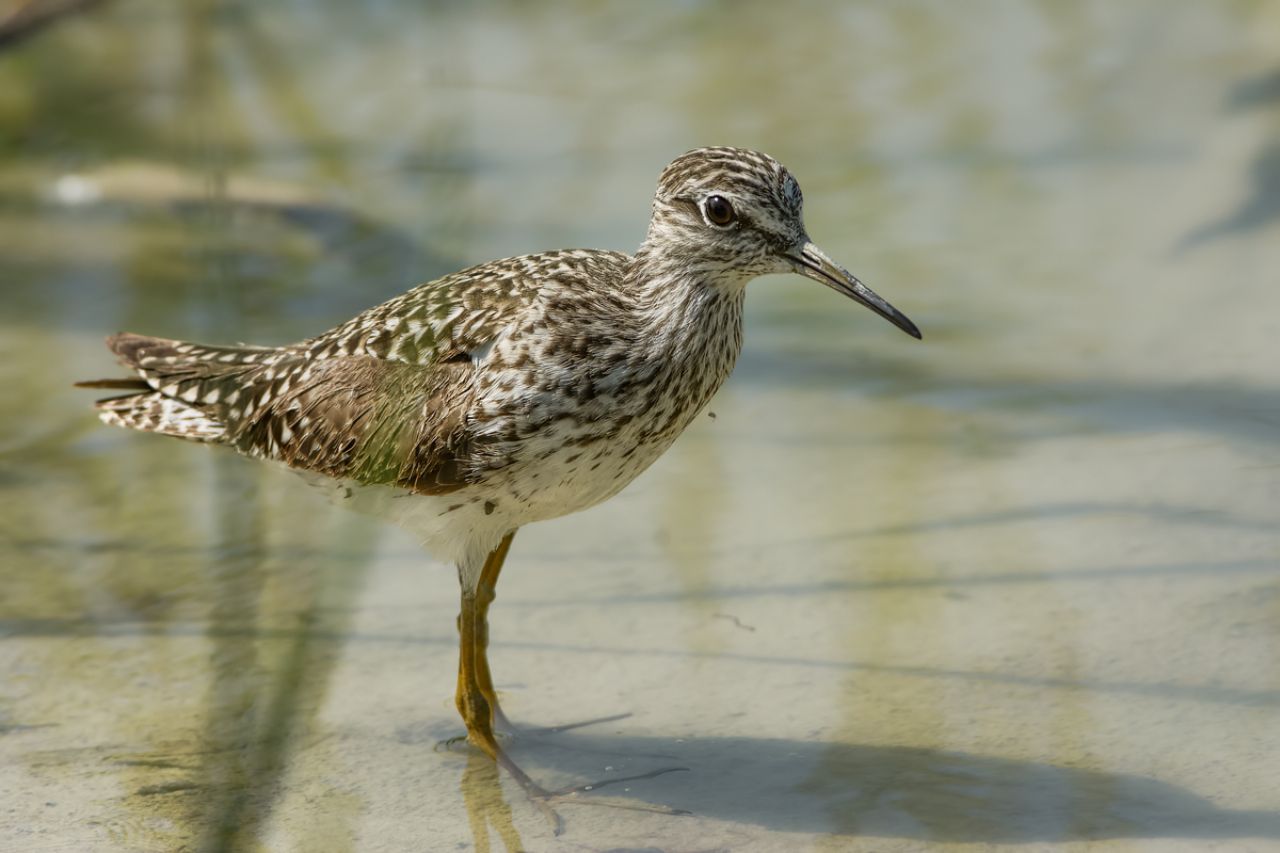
pixel 1261 205
pixel 1259 209
pixel 274 636
pixel 698 495
pixel 1260 90
pixel 243 753
pixel 486 806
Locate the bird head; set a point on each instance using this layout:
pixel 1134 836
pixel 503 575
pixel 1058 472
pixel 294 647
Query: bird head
pixel 730 215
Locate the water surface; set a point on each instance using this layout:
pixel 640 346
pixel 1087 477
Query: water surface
pixel 1014 586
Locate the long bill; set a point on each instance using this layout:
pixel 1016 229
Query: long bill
pixel 813 263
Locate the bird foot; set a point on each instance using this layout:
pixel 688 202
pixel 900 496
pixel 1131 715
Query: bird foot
pixel 448 744
pixel 505 730
pixel 545 801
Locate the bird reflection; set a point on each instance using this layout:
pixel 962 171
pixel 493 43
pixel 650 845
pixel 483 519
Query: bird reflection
pixel 486 806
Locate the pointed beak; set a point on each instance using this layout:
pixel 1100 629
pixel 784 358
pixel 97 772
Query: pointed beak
pixel 812 262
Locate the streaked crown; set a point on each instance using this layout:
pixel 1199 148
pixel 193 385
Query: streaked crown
pixel 728 212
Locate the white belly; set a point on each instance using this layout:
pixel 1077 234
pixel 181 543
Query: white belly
pixel 462 527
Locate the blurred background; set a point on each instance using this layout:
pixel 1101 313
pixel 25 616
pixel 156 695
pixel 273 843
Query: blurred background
pixel 1017 584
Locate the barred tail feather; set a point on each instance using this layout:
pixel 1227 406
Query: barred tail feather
pixel 178 386
pixel 154 412
pixel 150 354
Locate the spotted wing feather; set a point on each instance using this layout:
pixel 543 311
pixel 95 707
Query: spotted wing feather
pixel 383 398
pixel 378 398
pixel 363 419
pixel 346 416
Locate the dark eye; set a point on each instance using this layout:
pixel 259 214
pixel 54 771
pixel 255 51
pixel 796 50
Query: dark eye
pixel 718 209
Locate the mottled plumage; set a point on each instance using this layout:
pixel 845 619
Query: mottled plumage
pixel 511 392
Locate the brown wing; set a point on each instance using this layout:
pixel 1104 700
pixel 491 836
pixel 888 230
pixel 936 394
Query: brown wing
pixel 360 418
pixel 382 398
pixel 345 416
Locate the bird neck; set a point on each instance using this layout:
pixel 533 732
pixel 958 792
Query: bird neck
pixel 690 308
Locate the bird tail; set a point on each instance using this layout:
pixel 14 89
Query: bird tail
pixel 179 388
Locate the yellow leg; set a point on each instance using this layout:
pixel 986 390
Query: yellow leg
pixel 476 700
pixel 485 592
pixel 478 704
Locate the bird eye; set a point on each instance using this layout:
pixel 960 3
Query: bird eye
pixel 719 211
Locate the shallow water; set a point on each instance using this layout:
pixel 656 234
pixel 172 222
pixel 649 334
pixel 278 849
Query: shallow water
pixel 1017 585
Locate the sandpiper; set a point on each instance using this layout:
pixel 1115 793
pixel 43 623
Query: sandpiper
pixel 515 391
